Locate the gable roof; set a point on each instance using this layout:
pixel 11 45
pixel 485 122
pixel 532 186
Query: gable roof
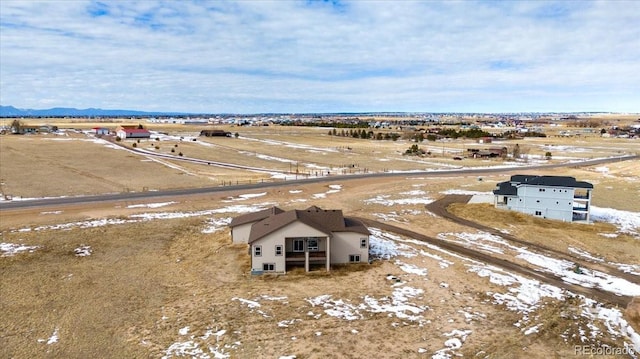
pixel 325 221
pixel 554 181
pixel 255 216
pixel 510 188
pixel 506 189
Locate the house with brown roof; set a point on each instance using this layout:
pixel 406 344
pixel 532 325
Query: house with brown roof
pixel 279 240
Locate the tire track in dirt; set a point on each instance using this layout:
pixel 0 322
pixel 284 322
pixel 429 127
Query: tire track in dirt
pixel 440 206
pixel 548 278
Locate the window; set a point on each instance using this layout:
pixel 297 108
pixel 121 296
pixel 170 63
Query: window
pixel 268 267
pixel 538 213
pixel 298 245
pixel 257 251
pixel 541 189
pixel 363 243
pixel 278 250
pixel 538 201
pixel 312 244
pixel 354 258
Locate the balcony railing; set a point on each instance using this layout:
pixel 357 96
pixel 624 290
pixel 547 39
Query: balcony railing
pixel 299 256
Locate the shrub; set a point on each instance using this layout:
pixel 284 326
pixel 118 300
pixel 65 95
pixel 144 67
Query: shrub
pixel 157 147
pixel 118 139
pixel 173 150
pixel 135 145
pixel 180 154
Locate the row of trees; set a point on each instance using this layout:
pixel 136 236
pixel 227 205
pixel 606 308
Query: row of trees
pixel 363 134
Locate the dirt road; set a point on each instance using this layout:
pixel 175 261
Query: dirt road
pixel 513 267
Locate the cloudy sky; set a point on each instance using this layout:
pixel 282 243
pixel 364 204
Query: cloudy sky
pixel 321 56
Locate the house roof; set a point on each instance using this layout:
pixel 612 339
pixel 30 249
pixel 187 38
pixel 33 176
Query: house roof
pixel 326 221
pixel 255 216
pixel 555 181
pixel 510 188
pixel 506 189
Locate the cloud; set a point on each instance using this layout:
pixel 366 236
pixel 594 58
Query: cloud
pixel 321 56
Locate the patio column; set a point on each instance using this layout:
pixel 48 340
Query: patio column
pixel 328 253
pixel 306 256
pixel 306 261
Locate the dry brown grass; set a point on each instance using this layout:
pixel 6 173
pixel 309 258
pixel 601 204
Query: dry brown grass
pixel 555 234
pixel 145 281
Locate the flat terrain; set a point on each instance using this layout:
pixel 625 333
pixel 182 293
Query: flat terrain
pixel 161 279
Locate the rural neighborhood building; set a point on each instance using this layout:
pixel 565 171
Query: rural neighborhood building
pixel 101 130
pixel 133 133
pixel 554 197
pixel 215 133
pixel 281 239
pixel 492 152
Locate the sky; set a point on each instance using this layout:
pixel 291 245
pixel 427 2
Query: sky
pixel 321 56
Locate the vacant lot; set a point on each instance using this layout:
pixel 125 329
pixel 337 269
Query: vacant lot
pixel 162 278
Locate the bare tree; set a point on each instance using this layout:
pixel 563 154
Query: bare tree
pixel 16 127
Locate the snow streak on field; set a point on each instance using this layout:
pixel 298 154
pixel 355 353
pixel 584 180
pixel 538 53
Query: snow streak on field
pixel 406 305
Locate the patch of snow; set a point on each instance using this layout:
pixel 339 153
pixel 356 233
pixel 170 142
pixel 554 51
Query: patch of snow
pixel 83 251
pixel 151 205
pixel 410 268
pixel 184 331
pixel 585 254
pixel 531 330
pixel 216 224
pixel 54 337
pixel 386 201
pixel 250 303
pixel 11 249
pixel 626 221
pixel 586 278
pixel 383 245
pixel 609 235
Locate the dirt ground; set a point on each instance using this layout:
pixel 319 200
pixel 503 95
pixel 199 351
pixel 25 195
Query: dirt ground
pixel 148 280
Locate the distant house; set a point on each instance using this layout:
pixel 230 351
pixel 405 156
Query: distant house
pixel 133 133
pixel 283 239
pixel 99 131
pixel 492 152
pixel 554 197
pixel 215 133
pixel 47 129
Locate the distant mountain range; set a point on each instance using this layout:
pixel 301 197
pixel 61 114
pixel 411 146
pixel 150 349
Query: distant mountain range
pixel 10 111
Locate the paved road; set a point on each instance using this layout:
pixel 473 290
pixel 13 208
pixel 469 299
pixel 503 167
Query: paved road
pixel 49 202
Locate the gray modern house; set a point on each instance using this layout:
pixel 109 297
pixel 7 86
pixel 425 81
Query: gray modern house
pixel 553 197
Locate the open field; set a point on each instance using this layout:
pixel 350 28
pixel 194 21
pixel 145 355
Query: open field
pixel 161 279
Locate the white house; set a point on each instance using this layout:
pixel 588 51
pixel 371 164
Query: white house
pixel 127 132
pixel 282 239
pixel 554 197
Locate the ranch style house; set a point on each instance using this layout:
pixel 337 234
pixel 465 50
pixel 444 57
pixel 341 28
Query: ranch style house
pixel 281 239
pixel 554 197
